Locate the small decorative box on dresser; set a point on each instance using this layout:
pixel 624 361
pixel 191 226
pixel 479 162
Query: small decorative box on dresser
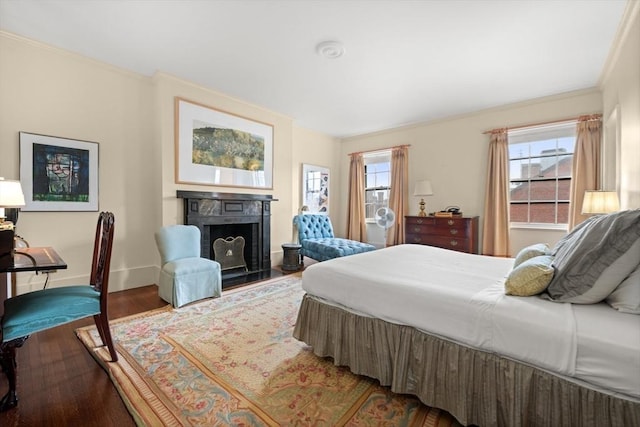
pixel 458 233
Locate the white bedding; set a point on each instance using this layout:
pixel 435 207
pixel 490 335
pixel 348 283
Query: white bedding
pixel 460 297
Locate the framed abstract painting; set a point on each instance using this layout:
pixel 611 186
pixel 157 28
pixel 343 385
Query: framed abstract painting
pixel 58 174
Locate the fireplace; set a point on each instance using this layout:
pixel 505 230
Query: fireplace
pixel 230 216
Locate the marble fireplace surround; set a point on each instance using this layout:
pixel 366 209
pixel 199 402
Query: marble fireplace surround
pixel 224 215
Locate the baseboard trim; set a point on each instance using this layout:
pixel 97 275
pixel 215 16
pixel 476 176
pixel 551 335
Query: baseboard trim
pixel 119 280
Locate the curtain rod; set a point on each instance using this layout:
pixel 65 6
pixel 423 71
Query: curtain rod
pixel 587 117
pixel 378 149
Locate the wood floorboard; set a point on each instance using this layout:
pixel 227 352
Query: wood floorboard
pixel 59 382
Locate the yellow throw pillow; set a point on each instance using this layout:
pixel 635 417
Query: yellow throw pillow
pixel 531 277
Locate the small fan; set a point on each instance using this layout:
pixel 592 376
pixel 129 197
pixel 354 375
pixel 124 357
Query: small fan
pixel 385 218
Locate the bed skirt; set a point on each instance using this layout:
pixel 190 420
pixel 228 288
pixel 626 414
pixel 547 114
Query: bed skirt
pixel 476 387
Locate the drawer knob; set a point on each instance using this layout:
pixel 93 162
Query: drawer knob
pixel 416 229
pixel 451 222
pixel 454 243
pixel 419 221
pixel 417 239
pixel 454 231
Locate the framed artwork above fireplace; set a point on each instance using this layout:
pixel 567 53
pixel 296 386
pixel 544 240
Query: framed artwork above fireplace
pixel 214 147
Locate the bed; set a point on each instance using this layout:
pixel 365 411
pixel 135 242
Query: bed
pixel 437 324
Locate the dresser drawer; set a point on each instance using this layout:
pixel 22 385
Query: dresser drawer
pixel 438 221
pixel 457 229
pixel 464 245
pixel 457 233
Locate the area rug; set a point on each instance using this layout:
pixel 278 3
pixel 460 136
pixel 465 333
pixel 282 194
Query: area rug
pixel 233 361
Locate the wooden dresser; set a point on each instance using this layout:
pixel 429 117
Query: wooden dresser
pixel 457 233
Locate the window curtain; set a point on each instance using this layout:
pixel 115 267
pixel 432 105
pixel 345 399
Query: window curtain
pixel 356 227
pixel 398 195
pixel 495 238
pixel 585 174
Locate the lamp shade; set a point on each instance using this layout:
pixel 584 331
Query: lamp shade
pixel 600 202
pixel 11 195
pixel 423 188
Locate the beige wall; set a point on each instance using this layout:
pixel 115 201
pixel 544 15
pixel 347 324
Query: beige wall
pixel 621 98
pixel 320 150
pixel 316 149
pixel 45 90
pixel 452 153
pixel 166 89
pixel 50 91
pixel 292 146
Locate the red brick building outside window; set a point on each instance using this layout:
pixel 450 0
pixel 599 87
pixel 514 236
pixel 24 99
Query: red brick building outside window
pixel 540 179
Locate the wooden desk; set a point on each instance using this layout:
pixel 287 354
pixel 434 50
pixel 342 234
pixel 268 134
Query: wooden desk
pixel 28 259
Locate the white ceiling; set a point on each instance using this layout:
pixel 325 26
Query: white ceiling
pixel 405 62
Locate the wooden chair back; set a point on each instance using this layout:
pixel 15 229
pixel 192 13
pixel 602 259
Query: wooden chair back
pixel 100 265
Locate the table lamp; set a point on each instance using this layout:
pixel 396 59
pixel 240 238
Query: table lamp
pixel 422 188
pixel 598 202
pixel 11 198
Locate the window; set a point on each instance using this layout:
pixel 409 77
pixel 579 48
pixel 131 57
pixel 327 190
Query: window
pixel 377 179
pixel 540 161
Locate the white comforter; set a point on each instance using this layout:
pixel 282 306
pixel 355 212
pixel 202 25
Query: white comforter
pixel 460 297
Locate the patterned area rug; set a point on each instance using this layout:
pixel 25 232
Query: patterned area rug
pixel 233 361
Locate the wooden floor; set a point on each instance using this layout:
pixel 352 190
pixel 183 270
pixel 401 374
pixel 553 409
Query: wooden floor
pixel 59 382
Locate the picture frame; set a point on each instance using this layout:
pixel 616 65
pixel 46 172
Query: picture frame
pixel 214 147
pixel 58 174
pixel 315 185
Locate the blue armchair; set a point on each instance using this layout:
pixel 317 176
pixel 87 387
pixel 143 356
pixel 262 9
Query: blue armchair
pixel 185 277
pixel 315 235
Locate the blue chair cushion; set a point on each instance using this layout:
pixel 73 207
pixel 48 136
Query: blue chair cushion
pixel 328 248
pixel 187 266
pixel 189 279
pixel 36 311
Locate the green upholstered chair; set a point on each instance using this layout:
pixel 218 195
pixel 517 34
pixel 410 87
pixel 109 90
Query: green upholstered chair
pixel 37 311
pixel 185 276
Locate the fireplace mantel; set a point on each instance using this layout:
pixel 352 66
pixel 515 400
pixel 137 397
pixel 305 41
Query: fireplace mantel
pixel 223 196
pixel 230 214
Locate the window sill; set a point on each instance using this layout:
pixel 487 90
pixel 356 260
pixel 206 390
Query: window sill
pixel 538 226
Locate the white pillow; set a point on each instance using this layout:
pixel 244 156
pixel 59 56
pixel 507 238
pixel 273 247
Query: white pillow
pixel 531 251
pixel 626 297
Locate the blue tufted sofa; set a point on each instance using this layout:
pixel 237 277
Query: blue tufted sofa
pixel 315 235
